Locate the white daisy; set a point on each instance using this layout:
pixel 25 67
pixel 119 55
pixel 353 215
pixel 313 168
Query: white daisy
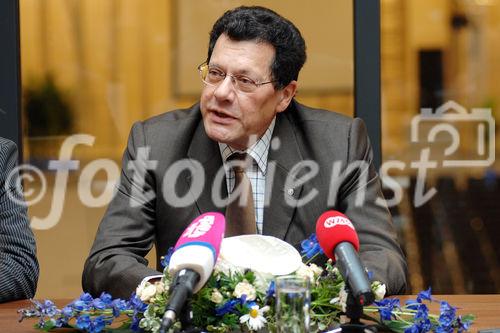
pixel 255 318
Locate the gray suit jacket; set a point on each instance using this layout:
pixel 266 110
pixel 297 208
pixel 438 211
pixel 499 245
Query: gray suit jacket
pixel 18 263
pixel 116 262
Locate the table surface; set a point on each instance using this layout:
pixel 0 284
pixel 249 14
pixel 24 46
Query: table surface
pixel 485 307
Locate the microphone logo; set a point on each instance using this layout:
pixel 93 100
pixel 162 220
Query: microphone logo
pixel 333 221
pixel 200 228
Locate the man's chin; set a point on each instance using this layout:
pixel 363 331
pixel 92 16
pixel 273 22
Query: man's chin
pixel 218 136
pixel 227 140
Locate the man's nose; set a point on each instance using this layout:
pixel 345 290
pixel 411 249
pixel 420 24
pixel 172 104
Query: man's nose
pixel 225 90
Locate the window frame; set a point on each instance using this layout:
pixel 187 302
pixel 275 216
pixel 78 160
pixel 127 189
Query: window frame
pixel 367 90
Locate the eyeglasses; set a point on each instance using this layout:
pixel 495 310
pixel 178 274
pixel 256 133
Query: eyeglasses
pixel 213 76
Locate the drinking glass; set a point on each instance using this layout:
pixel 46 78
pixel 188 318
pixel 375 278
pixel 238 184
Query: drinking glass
pixel 293 300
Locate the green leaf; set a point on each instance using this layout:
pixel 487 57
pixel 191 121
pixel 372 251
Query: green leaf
pixel 396 325
pixel 468 317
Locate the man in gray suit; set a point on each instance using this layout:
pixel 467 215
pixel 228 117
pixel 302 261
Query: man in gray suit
pixel 304 161
pixel 18 263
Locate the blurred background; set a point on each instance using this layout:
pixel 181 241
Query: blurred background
pixel 95 67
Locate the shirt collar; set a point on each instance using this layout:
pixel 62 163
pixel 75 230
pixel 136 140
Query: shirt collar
pixel 258 151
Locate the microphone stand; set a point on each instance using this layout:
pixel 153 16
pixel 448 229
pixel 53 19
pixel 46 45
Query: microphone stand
pixel 186 319
pixel 354 311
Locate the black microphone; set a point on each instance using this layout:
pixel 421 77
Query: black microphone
pixel 339 240
pixel 192 263
pixel 180 291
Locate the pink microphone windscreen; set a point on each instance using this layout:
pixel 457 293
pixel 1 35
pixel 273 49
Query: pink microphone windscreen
pixel 206 230
pixel 333 228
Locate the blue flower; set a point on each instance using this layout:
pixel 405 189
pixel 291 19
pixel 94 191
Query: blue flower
pixel 422 313
pixel 139 307
pixel 388 302
pixel 84 303
pixel 447 316
pixel 422 309
pixel 136 304
pixel 86 297
pixel 310 247
pixel 97 325
pixel 271 290
pixel 134 326
pixel 98 304
pixel 446 308
pixel 422 324
pixel 118 305
pixel 61 322
pixel 227 307
pixel 385 313
pixel 425 325
pixel 80 305
pixel 48 308
pixel 103 302
pixel 386 306
pixel 249 305
pixel 67 311
pixel 165 260
pixel 441 329
pixel 106 298
pixel 66 315
pixel 83 322
pixel 424 295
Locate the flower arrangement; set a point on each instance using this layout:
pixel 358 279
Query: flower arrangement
pixel 235 298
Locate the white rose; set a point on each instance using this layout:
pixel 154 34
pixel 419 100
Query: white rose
pixel 160 287
pixel 317 271
pixel 146 291
pixel 380 291
pixel 221 266
pixel 139 289
pixel 305 271
pixel 224 266
pixel 216 297
pixel 245 288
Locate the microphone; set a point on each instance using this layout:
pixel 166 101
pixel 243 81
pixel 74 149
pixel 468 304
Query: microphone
pixel 192 262
pixel 339 240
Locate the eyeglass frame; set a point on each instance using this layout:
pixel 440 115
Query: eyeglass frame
pixel 234 79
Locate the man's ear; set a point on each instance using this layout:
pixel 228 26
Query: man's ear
pixel 287 94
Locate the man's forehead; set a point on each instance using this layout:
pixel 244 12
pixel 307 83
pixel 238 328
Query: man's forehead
pixel 244 54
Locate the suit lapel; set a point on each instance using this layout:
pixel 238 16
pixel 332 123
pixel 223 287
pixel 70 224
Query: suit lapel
pixel 278 214
pixel 206 151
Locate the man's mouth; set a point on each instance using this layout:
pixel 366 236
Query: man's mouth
pixel 221 117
